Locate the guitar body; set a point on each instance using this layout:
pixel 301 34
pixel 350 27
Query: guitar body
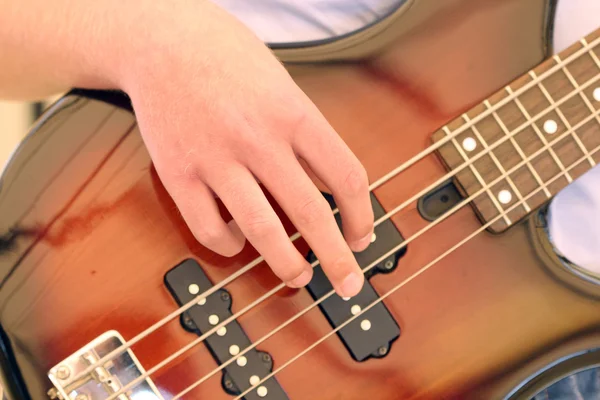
pixel 90 234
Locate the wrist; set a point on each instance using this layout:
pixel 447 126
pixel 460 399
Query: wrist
pixel 163 39
pixel 102 50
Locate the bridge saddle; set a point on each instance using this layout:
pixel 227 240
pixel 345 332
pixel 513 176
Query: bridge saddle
pixel 104 380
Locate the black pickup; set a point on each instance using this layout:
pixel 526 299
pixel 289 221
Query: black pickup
pixel 371 334
pixel 185 282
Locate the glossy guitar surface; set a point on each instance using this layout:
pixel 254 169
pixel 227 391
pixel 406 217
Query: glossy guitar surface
pixel 89 234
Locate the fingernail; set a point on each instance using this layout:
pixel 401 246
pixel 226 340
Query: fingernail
pixel 352 284
pixel 362 244
pixel 301 280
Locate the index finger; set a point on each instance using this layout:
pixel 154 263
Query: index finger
pixel 334 163
pixel 310 213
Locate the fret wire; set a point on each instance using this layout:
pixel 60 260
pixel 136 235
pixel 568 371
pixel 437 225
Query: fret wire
pixel 562 117
pixel 587 47
pixel 553 106
pixel 596 60
pixel 139 337
pixel 589 106
pixel 381 219
pixel 587 101
pixel 511 137
pixel 498 164
pixel 478 176
pixel 542 138
pixel 146 332
pixel 525 124
pixel 560 113
pixel 379 299
pixel 590 52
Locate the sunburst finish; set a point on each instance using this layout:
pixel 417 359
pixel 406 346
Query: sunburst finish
pixel 92 232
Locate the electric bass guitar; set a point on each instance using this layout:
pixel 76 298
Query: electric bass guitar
pixel 467 126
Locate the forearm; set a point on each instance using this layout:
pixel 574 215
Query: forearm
pixel 47 48
pixel 216 111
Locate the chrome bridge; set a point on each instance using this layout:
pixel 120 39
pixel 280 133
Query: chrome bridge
pixel 104 380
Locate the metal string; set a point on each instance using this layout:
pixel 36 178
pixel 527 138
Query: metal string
pixel 320 300
pixel 407 280
pixel 116 352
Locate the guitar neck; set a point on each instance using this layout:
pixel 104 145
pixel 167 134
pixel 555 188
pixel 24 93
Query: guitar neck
pixel 539 132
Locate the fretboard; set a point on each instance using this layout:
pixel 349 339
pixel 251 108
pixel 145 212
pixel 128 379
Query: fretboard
pixel 530 139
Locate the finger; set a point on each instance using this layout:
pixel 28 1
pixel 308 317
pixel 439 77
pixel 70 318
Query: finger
pixel 201 213
pixel 310 213
pixel 332 161
pixel 251 210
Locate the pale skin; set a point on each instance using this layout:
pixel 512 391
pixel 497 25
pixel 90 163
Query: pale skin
pixel 217 112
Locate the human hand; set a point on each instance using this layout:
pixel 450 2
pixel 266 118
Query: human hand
pixel 218 112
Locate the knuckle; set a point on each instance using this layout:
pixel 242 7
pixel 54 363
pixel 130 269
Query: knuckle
pixel 188 172
pixel 356 181
pixel 296 116
pixel 311 211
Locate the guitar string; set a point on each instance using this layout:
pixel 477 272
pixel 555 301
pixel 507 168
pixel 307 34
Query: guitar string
pixel 255 262
pixel 407 280
pixel 586 48
pixel 383 218
pixel 404 244
pixel 320 300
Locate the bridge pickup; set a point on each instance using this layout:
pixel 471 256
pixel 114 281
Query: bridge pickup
pixel 185 282
pixel 371 334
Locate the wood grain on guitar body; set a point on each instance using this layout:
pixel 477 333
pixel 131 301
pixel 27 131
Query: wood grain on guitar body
pixel 105 294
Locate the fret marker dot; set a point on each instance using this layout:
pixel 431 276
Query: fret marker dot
pixel 254 379
pixel 355 309
pixel 373 237
pixel 365 324
pixel 469 144
pixel 202 301
pixel 504 196
pixel 213 319
pixel 221 331
pixel 550 126
pixel 194 289
pixel 242 361
pixel 345 298
pixel 234 349
pixel 262 391
pixel 596 94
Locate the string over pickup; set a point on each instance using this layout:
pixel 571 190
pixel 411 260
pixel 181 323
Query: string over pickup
pixel 185 282
pixel 372 334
